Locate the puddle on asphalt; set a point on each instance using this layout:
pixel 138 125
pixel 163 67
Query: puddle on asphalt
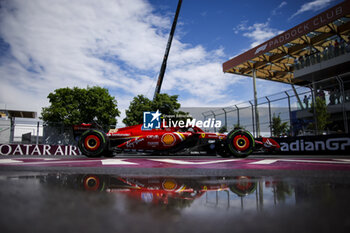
pixel 82 202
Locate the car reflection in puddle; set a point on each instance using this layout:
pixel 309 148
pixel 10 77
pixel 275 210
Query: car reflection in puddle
pixel 82 202
pixel 161 190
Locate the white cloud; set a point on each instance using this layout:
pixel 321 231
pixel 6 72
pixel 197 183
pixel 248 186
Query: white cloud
pixel 312 6
pixel 115 44
pixel 275 11
pixel 258 33
pixel 64 43
pixel 204 81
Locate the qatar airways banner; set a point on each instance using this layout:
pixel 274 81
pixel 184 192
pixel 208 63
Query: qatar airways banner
pixel 32 149
pixel 335 144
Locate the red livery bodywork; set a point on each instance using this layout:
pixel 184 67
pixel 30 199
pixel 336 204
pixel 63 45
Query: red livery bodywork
pixel 168 140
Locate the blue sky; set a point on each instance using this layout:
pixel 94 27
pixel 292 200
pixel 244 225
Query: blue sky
pixel 119 44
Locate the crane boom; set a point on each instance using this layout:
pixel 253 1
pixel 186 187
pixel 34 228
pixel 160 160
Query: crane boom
pixel 170 39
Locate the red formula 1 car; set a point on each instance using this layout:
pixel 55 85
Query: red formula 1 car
pixel 168 140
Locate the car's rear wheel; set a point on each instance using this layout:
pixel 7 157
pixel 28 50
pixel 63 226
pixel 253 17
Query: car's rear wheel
pixel 240 143
pixel 93 143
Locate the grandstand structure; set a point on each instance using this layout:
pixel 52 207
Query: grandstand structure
pixel 314 54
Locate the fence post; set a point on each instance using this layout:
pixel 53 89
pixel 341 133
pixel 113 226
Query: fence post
pixel 214 120
pixel 253 118
pixel 37 133
pixel 290 114
pixel 345 118
pixel 256 104
pixel 225 118
pixel 313 95
pixel 238 120
pixel 269 102
pixel 12 129
pixel 298 98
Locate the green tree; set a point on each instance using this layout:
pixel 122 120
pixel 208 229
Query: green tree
pixel 134 115
pixel 278 128
pixel 76 105
pixel 322 116
pixel 165 103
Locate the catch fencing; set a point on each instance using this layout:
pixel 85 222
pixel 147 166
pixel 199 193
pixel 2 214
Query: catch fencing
pixel 33 131
pixel 302 108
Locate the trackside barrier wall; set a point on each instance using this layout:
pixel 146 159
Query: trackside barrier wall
pixel 32 149
pixel 333 144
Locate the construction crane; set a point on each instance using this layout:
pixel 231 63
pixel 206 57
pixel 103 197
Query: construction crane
pixel 170 39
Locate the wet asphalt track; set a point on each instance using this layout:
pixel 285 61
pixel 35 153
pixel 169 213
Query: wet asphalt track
pixel 174 194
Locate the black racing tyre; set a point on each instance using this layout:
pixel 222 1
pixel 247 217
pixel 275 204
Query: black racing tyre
pixel 240 143
pixel 93 183
pixel 93 143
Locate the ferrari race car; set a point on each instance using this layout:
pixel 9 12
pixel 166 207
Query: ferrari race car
pixel 238 143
